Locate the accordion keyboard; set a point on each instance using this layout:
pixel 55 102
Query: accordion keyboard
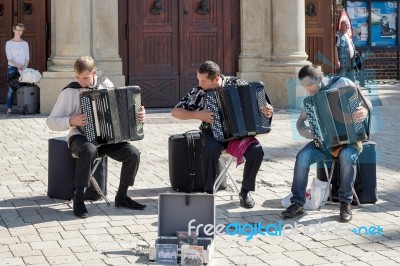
pixel 211 105
pixel 89 128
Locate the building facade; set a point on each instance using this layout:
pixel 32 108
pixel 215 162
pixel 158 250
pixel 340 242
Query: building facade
pixel 158 44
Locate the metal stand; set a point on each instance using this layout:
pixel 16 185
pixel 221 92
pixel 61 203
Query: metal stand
pixel 94 183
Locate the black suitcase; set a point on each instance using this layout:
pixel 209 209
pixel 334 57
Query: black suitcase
pixel 184 158
pixel 28 99
pixel 61 172
pixel 365 183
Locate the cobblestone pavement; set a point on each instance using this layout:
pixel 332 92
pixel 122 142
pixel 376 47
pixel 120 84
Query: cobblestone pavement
pixel 38 230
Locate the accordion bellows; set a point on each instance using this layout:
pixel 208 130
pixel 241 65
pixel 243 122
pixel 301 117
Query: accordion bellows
pixel 237 112
pixel 330 115
pixel 112 115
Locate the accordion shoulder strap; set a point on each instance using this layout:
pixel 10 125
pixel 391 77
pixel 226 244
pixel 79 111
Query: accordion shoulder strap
pixel 76 85
pixel 366 105
pixel 100 80
pixel 331 82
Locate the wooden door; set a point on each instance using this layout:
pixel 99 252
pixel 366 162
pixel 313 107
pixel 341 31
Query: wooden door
pixel 320 34
pixel 168 39
pixel 32 13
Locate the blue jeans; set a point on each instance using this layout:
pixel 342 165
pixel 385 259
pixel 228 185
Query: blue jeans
pixel 347 72
pixel 11 70
pixel 309 155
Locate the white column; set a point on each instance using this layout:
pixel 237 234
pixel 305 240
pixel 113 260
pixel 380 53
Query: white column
pixel 288 53
pixel 105 36
pixel 80 27
pixel 256 37
pixel 70 33
pixel 288 30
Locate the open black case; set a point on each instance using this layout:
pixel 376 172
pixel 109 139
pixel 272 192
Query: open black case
pixel 176 211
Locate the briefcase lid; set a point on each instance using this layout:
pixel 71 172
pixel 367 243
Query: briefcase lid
pixel 176 210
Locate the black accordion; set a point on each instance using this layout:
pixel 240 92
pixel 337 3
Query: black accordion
pixel 236 110
pixel 111 115
pixel 330 115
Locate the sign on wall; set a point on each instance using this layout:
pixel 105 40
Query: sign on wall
pixel 382 22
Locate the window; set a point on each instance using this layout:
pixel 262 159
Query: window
pixel 374 22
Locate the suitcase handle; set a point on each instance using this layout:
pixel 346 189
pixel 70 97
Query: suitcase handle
pixel 191 153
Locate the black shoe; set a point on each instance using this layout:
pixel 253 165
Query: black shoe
pixel 80 209
pixel 129 203
pixel 293 210
pixel 246 200
pixel 345 215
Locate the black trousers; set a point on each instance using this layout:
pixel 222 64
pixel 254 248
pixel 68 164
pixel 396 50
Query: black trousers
pixel 123 152
pixel 212 150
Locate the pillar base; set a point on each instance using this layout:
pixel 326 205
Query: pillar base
pixel 52 84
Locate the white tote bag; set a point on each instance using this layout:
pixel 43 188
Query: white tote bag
pixel 313 195
pixel 30 75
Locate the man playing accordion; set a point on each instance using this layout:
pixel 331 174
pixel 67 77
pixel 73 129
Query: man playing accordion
pixel 311 79
pixel 67 115
pixel 192 106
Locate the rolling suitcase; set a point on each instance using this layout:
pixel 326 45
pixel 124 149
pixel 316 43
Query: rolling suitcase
pixel 28 99
pixel 184 158
pixel 61 172
pixel 365 183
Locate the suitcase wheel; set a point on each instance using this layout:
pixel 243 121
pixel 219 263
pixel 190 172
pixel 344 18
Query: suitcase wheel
pixel 25 109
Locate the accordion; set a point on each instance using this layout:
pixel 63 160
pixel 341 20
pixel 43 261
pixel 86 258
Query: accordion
pixel 330 115
pixel 111 115
pixel 236 110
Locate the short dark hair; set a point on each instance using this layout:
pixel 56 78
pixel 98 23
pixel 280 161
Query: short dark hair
pixel 211 68
pixel 310 71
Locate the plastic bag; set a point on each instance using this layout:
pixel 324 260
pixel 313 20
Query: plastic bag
pixel 313 195
pixel 30 75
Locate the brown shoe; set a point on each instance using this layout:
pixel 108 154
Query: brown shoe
pixel 345 215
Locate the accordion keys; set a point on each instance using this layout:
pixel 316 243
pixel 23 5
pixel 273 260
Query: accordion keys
pixel 236 109
pixel 112 115
pixel 330 115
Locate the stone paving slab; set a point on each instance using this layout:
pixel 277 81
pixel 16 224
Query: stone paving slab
pixel 37 230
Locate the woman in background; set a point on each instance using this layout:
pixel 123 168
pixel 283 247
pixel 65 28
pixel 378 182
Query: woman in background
pixel 17 52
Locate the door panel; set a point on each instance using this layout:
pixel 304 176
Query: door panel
pixel 32 13
pixel 201 35
pixel 320 34
pixel 168 39
pixel 6 22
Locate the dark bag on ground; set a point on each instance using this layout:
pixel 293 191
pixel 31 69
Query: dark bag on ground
pixel 358 59
pixel 184 157
pixel 13 82
pixel 61 172
pixel 365 183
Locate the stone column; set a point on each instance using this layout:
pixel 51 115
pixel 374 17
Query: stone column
pixel 256 37
pixel 104 40
pixel 80 27
pixel 276 57
pixel 288 53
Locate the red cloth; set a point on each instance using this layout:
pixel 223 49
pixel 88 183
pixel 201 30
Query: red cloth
pixel 238 147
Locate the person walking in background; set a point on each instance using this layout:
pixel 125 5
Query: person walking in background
pixel 345 52
pixel 17 52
